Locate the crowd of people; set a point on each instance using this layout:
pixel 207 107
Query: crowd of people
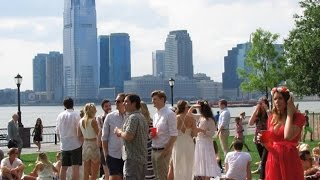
pixel 129 143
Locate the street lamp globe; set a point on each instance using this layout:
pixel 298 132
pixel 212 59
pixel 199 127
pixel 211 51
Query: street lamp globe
pixel 171 82
pixel 18 79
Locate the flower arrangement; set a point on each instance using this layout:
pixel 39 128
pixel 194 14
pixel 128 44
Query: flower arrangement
pixel 281 89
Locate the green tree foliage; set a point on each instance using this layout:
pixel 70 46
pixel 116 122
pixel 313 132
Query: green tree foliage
pixel 302 49
pixel 264 64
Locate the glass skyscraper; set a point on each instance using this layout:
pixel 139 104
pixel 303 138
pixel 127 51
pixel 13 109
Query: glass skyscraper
pixel 80 60
pixel 178 55
pixel 39 73
pixel 158 63
pixel 103 56
pixel 120 60
pixel 54 76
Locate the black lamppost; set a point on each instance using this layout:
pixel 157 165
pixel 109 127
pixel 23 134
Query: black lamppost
pixel 171 84
pixel 18 80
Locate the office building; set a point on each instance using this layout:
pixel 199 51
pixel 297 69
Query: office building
pixel 178 55
pixel 39 72
pixel 54 77
pixel 119 61
pixel 80 57
pixel 158 63
pixel 104 56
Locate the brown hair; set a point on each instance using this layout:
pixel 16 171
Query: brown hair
pixel 277 116
pixel 13 151
pixel 224 102
pixel 160 94
pixel 145 112
pixel 181 106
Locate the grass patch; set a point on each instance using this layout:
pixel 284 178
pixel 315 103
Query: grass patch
pixel 30 159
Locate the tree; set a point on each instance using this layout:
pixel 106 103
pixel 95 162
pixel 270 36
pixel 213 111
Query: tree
pixel 264 63
pixel 302 49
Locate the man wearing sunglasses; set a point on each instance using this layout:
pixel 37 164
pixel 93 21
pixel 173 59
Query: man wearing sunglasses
pixel 112 145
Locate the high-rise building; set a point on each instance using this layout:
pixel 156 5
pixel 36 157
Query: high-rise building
pixel 104 56
pixel 80 61
pixel 54 77
pixel 39 73
pixel 178 55
pixel 158 63
pixel 230 78
pixel 120 60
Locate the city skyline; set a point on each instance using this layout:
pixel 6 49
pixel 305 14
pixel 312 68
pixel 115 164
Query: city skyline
pixel 36 26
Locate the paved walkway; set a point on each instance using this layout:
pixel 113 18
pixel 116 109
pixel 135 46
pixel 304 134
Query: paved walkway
pixel 47 147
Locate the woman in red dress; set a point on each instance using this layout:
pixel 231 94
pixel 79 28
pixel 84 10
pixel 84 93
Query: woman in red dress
pixel 284 126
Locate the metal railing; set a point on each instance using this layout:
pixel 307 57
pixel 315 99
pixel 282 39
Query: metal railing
pixel 48 136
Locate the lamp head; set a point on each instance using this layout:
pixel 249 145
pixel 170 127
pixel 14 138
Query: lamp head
pixel 171 82
pixel 18 79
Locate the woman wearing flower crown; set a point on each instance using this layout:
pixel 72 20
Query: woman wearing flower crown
pixel 284 127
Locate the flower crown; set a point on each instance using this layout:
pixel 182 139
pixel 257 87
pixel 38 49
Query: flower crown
pixel 281 89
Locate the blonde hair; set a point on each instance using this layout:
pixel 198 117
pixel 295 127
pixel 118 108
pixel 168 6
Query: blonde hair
pixel 89 113
pixel 145 112
pixel 43 158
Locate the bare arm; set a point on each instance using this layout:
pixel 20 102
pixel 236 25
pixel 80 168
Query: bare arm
pixel 290 130
pixel 79 133
pixel 248 171
pixel 254 115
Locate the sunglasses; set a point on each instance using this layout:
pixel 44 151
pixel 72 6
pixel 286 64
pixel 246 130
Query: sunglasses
pixel 118 101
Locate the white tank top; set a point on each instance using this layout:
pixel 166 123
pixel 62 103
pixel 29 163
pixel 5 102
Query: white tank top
pixel 88 132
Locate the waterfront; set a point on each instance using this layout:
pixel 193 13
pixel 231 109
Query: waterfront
pixel 49 113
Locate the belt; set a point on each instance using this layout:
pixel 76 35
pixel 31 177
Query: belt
pixel 157 149
pixel 90 139
pixel 225 129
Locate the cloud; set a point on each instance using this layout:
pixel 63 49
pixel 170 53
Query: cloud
pixel 35 26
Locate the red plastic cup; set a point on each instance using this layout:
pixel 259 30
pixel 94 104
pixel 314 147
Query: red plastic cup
pixel 153 132
pixel 265 136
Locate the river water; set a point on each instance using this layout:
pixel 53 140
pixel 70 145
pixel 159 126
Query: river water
pixel 48 114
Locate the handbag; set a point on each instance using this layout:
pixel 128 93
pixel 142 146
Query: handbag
pixel 12 143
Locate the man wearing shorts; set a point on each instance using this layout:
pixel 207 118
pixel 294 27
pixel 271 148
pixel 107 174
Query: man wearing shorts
pixel 70 144
pixel 111 144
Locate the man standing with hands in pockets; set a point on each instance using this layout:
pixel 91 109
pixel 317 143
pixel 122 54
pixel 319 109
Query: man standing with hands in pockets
pixel 223 126
pixel 162 142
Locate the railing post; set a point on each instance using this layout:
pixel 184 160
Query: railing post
pixel 55 139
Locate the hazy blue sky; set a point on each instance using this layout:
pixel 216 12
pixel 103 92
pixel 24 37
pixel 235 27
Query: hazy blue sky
pixel 28 27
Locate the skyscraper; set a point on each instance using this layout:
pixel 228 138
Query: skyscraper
pixel 120 60
pixel 54 76
pixel 178 55
pixel 104 56
pixel 39 73
pixel 158 63
pixel 80 61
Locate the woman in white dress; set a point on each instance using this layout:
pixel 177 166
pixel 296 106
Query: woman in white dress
pixel 181 167
pixel 205 165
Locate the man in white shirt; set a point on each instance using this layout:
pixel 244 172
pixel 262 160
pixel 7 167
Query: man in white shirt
pixel 111 144
pixel 237 163
pixel 223 125
pixel 70 144
pixel 166 123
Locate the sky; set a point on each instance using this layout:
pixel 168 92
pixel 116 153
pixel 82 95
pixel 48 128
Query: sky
pixel 28 27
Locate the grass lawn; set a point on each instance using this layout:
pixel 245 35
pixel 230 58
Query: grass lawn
pixel 29 159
